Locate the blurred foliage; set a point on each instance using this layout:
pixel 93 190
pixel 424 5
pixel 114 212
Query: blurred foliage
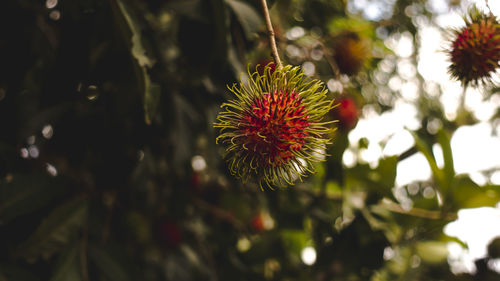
pixel 109 168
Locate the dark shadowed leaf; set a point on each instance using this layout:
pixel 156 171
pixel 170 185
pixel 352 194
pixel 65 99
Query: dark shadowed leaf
pixel 12 272
pixel 25 193
pixel 249 19
pixel 188 8
pixel 131 30
pixel 108 264
pixel 68 267
pixel 55 231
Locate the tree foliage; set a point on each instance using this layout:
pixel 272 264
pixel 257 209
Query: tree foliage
pixel 109 168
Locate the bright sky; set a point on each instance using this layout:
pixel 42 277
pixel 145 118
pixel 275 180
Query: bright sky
pixel 474 148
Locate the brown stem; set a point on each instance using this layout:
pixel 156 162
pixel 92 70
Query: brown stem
pixel 270 34
pixel 409 152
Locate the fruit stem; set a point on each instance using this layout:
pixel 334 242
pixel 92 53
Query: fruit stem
pixel 270 34
pixel 488 5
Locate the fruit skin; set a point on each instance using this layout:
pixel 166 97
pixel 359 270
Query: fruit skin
pixel 347 114
pixel 273 129
pixel 475 49
pixel 350 52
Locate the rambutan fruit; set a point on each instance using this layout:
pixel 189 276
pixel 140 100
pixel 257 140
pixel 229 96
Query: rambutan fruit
pixel 273 130
pixel 475 49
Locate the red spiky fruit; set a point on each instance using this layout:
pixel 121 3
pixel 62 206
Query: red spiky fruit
pixel 273 130
pixel 347 114
pixel 276 127
pixel 475 49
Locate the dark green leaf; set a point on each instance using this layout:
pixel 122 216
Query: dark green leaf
pixel 55 231
pixel 68 266
pixel 294 240
pixel 423 147
pixel 188 8
pixel 249 19
pixel 467 194
pixel 444 141
pixel 387 169
pixel 12 272
pixel 25 193
pixel 432 251
pixel 107 264
pixel 132 31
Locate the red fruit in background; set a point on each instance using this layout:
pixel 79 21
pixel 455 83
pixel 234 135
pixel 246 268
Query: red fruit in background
pixel 347 113
pixel 169 234
pixel 475 50
pixel 195 180
pixel 257 223
pixel 262 221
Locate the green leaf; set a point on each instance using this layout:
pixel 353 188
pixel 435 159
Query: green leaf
pixel 249 19
pixel 427 152
pixel 387 168
pixel 356 24
pixel 137 48
pixel 444 141
pixel 152 92
pixel 68 266
pixel 55 231
pixel 187 8
pixel 108 264
pixel 25 193
pixel 143 62
pixel 432 251
pixel 379 181
pixel 12 272
pixel 294 240
pixel 467 194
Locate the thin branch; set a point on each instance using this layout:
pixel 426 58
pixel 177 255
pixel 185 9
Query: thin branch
pixel 488 6
pixel 333 65
pixel 219 213
pixel 417 212
pixel 270 34
pixel 409 152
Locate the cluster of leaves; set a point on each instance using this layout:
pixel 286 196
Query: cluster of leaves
pixel 109 169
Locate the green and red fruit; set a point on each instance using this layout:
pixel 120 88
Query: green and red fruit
pixel 274 128
pixel 475 49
